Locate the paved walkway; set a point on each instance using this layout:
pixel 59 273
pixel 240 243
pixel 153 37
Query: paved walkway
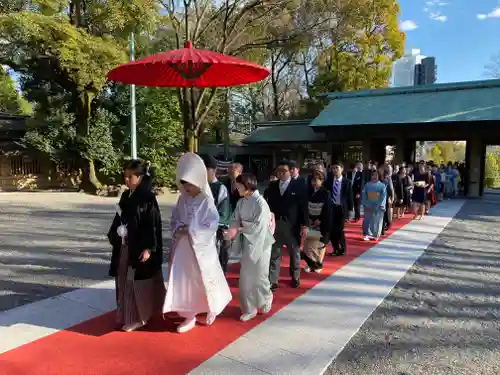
pixel 306 331
pixel 52 243
pixel 443 317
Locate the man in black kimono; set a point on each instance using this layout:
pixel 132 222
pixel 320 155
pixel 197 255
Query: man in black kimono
pixel 342 204
pixel 234 171
pixel 358 184
pixel 150 175
pixel 287 199
pixel 137 255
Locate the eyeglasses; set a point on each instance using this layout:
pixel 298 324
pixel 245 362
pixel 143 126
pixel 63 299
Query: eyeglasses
pixel 283 170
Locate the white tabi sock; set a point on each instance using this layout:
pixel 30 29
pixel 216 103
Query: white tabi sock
pixel 186 325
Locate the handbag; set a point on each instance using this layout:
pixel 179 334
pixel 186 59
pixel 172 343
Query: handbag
pixel 314 249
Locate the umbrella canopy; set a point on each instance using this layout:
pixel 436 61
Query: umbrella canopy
pixel 189 67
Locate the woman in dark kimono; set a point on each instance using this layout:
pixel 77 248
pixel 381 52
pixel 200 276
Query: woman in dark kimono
pixel 430 191
pixel 419 195
pixel 319 204
pixel 399 193
pixel 386 173
pixel 136 237
pixel 402 189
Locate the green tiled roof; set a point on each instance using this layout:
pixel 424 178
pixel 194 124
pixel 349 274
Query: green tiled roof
pixel 467 101
pixel 284 131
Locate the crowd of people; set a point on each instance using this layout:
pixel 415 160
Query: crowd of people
pixel 214 220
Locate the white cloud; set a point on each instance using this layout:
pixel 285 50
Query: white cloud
pixel 438 17
pixel 432 9
pixel 408 25
pixel 495 13
pixel 436 3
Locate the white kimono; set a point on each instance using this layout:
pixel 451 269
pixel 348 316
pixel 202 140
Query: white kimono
pixel 196 283
pixel 253 216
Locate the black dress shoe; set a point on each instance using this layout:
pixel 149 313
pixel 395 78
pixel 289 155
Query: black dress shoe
pixel 295 283
pixel 274 287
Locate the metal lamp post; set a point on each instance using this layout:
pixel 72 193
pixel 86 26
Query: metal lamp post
pixel 133 128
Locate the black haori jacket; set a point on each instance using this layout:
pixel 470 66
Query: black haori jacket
pixel 141 215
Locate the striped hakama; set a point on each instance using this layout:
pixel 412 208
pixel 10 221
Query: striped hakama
pixel 137 300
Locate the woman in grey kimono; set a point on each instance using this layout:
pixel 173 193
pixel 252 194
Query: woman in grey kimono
pixel 252 230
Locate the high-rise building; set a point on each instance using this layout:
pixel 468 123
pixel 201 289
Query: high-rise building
pixel 413 69
pixel 403 69
pixel 425 72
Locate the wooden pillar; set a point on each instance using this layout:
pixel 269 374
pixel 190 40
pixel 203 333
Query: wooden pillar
pixel 399 150
pixel 337 152
pixel 366 150
pixel 475 156
pixel 409 151
pixel 377 149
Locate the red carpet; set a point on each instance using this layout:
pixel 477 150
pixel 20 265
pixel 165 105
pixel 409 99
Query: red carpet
pixel 94 348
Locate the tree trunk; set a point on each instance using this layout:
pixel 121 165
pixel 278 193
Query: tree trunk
pixel 196 142
pixel 191 142
pixel 90 182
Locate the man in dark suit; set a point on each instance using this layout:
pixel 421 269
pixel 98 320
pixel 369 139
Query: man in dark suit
pixel 370 166
pixel 295 173
pixel 342 204
pixel 358 184
pixel 287 199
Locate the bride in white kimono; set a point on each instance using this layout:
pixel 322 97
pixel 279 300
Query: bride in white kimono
pixel 196 283
pixel 252 230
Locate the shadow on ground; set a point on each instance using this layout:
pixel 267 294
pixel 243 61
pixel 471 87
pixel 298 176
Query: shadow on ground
pixel 443 317
pixel 52 245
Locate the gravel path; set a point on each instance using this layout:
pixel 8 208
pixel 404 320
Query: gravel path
pixel 51 243
pixel 443 317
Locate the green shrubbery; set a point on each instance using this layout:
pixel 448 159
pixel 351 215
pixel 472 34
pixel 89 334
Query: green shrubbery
pixel 492 170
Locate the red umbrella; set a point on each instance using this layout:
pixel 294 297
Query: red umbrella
pixel 189 67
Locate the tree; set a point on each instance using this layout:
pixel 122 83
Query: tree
pixel 237 27
pixel 160 135
pixel 11 102
pixel 493 67
pixel 492 169
pixel 444 152
pixel 359 50
pixel 63 51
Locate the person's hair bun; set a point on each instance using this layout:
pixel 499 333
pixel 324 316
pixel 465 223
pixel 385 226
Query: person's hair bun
pixel 137 167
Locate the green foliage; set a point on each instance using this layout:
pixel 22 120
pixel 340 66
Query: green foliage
pixel 7 6
pixel 444 152
pixel 63 49
pixel 79 60
pixel 160 132
pixel 492 170
pixel 99 143
pixel 159 128
pixel 11 102
pixel 56 138
pixel 362 48
pixel 63 52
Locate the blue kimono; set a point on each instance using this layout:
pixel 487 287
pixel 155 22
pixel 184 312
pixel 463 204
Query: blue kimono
pixel 374 199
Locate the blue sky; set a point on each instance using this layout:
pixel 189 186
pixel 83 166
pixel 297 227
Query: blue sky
pixel 463 35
